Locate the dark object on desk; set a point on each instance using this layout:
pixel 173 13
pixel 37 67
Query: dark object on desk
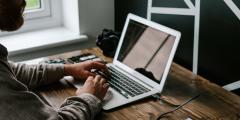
pixel 82 58
pixel 107 41
pixel 55 61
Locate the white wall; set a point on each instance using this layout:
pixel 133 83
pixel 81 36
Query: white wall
pixel 96 15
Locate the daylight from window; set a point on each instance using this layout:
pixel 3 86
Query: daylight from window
pixel 33 4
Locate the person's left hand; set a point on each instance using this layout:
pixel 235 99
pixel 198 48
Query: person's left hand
pixel 83 70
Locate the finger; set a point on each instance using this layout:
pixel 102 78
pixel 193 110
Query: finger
pixel 90 78
pixel 106 86
pixel 105 89
pixel 101 66
pixel 105 73
pixel 98 65
pixel 97 79
pixel 98 60
pixel 87 74
pixel 102 81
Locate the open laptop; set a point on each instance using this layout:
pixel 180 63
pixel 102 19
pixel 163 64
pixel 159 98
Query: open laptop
pixel 142 61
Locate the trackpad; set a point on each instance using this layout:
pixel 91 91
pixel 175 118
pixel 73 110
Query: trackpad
pixel 108 96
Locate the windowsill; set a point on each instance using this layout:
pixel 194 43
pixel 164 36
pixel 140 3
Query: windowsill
pixel 39 40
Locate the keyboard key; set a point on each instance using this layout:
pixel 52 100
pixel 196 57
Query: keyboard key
pixel 124 85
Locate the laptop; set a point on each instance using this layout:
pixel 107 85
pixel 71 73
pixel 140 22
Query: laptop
pixel 141 62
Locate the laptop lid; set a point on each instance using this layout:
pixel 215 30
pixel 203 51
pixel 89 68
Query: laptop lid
pixel 146 50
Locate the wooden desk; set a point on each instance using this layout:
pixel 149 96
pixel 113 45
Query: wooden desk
pixel 214 102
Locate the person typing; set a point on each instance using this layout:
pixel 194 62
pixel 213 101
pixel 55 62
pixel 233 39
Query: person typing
pixel 18 102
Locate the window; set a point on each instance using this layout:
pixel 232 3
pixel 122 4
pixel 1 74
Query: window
pixel 33 4
pixel 68 23
pixel 38 9
pixel 40 14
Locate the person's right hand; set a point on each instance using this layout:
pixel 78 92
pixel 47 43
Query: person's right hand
pixel 83 70
pixel 96 86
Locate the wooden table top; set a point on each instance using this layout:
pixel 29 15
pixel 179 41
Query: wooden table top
pixel 213 103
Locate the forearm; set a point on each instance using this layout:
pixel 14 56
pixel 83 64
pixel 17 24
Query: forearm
pixel 83 107
pixel 36 75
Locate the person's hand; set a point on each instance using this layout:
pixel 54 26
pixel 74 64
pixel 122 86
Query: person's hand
pixel 83 70
pixel 96 86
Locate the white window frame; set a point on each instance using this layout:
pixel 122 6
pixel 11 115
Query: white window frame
pixel 48 16
pixel 77 25
pixel 46 32
pixel 44 11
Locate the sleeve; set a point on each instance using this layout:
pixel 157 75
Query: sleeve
pixel 37 75
pixel 83 107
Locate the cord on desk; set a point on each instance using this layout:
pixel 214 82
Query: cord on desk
pixel 158 97
pixel 180 106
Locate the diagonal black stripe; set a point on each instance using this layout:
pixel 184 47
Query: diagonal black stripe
pixel 193 1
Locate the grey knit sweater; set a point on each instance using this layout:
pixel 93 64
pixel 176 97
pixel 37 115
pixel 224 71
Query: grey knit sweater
pixel 18 103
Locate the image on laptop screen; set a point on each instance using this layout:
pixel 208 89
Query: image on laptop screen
pixel 146 50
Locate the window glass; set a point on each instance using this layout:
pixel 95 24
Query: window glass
pixel 33 4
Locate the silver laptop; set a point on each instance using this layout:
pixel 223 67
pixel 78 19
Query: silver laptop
pixel 142 61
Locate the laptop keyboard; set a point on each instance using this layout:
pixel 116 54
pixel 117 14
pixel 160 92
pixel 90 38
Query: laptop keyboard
pixel 125 85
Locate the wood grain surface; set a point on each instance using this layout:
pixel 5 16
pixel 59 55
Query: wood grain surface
pixel 214 102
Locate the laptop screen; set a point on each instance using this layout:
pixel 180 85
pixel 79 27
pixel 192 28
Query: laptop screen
pixel 146 50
